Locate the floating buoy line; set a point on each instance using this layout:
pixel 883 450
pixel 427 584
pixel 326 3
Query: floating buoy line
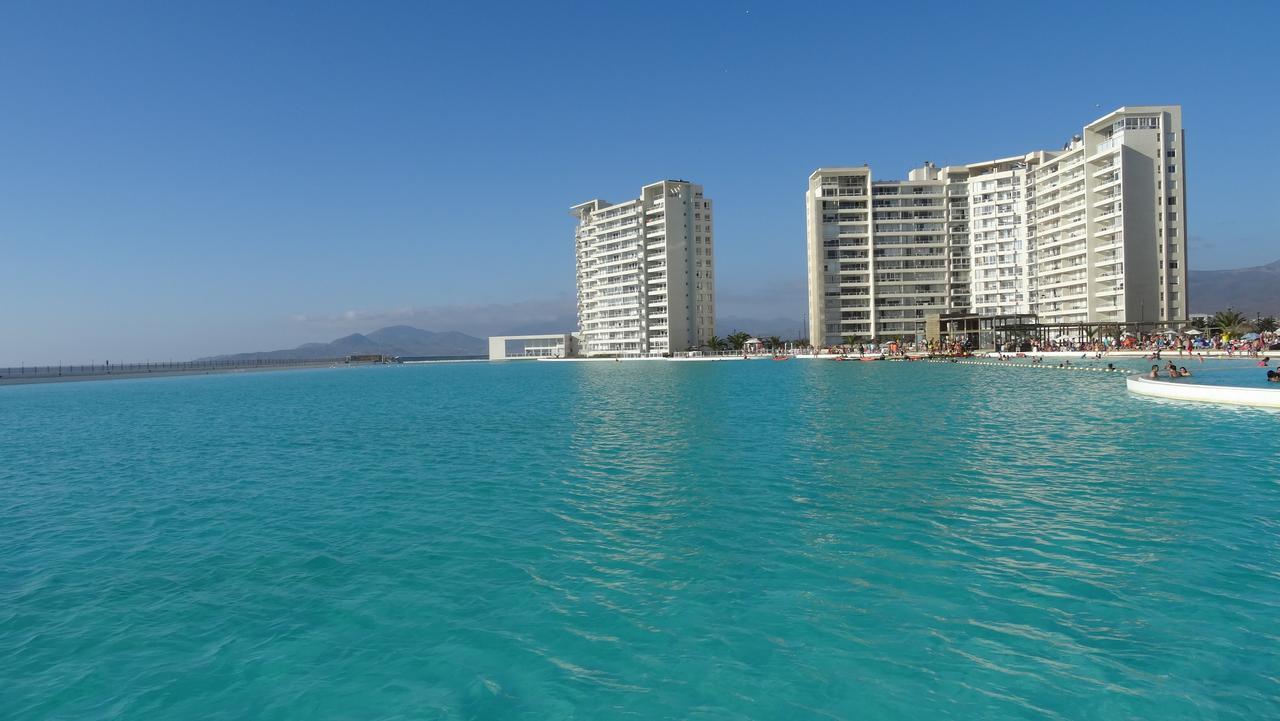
pixel 1042 366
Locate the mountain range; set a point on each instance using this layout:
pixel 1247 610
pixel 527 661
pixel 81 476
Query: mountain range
pixel 1252 291
pixel 396 340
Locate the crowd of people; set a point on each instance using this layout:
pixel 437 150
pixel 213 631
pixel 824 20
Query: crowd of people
pixel 1248 344
pixel 1187 344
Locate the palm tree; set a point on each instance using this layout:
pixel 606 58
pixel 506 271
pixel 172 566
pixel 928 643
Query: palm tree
pixel 738 339
pixel 715 342
pixel 774 342
pixel 1230 321
pixel 1264 325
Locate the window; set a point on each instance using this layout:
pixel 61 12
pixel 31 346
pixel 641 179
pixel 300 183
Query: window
pixel 1173 232
pixel 1173 265
pixel 1173 169
pixel 1171 154
pixel 1173 216
pixel 1173 200
pixel 1173 185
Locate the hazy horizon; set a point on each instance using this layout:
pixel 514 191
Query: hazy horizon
pixel 186 181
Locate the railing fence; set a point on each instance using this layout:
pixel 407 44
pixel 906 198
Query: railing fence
pixel 108 368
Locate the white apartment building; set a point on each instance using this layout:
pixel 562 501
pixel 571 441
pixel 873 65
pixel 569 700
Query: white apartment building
pixel 883 254
pixel 1093 233
pixel 646 272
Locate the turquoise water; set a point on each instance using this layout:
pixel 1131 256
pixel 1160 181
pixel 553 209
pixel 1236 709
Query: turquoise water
pixel 744 540
pixel 1244 373
pixel 1213 371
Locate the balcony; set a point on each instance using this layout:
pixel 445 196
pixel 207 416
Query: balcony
pixel 1108 184
pixel 1110 214
pixel 1107 198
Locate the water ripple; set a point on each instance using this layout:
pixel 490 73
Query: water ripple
pixel 730 540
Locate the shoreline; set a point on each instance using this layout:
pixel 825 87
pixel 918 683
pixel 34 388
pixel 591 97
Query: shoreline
pixel 982 357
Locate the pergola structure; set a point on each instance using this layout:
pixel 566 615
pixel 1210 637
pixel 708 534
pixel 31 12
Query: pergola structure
pixel 1001 331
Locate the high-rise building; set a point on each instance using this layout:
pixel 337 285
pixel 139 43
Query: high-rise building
pixel 1095 232
pixel 646 272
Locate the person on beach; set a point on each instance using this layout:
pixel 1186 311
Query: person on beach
pixel 1184 372
pixel 1155 371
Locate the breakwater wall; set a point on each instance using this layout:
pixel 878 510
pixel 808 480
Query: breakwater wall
pixel 103 371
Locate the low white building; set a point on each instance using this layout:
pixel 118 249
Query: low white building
pixel 523 347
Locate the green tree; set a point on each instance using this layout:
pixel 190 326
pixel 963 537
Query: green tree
pixel 1230 321
pixel 738 339
pixel 715 342
pixel 1264 325
pixel 774 342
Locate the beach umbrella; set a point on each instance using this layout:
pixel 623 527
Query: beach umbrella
pixel 1250 336
pixel 1192 331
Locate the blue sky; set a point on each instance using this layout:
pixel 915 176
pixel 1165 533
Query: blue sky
pixel 183 179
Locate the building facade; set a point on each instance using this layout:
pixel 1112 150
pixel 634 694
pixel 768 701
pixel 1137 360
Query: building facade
pixel 1095 232
pixel 646 272
pixel 546 345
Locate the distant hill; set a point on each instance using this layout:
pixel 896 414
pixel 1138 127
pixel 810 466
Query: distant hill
pixel 1252 291
pixel 396 340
